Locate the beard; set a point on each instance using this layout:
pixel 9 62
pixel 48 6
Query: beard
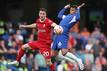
pixel 42 18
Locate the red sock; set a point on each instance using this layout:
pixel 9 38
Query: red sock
pixel 20 54
pixel 52 67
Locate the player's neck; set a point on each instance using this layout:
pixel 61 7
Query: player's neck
pixel 42 20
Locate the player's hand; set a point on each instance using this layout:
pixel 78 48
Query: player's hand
pixel 81 5
pixel 67 6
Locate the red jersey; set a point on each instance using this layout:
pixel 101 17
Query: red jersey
pixel 44 30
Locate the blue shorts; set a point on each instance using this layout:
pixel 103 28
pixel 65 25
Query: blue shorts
pixel 59 42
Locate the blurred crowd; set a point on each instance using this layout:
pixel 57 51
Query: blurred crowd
pixel 91 47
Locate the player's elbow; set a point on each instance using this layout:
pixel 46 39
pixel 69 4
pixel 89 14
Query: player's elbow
pixel 59 16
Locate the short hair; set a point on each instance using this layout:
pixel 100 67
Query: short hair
pixel 74 6
pixel 42 9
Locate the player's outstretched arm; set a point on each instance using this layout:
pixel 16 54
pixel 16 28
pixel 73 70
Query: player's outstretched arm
pixel 61 13
pixel 81 5
pixel 78 7
pixel 28 26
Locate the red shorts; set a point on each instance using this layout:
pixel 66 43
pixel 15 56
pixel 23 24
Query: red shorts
pixel 46 53
pixel 44 48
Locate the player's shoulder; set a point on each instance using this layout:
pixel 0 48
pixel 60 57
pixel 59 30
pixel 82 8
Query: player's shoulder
pixel 48 20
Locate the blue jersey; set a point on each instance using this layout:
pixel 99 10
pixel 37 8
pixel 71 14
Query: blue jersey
pixel 68 20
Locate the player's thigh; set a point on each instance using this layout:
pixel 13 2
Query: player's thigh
pixel 62 42
pixel 34 44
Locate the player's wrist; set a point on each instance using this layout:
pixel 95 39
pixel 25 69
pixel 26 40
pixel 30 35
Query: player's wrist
pixel 67 6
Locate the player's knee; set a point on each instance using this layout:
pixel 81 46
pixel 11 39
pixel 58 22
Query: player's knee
pixel 64 51
pixel 25 46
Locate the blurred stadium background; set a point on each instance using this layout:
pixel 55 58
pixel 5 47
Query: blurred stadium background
pixel 89 37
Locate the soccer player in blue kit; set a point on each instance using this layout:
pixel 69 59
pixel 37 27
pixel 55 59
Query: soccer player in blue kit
pixel 60 41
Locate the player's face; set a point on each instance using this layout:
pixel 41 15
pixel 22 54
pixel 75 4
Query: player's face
pixel 72 10
pixel 42 15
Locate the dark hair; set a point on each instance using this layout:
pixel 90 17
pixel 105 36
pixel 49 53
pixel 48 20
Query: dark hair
pixel 74 6
pixel 42 9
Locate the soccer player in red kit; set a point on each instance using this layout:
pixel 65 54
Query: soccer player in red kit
pixel 44 26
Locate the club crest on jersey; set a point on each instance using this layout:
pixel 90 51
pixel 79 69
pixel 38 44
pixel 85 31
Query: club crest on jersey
pixel 44 25
pixel 59 43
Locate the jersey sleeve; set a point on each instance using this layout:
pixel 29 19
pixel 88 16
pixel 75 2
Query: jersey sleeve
pixel 61 13
pixel 50 22
pixel 78 13
pixel 78 10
